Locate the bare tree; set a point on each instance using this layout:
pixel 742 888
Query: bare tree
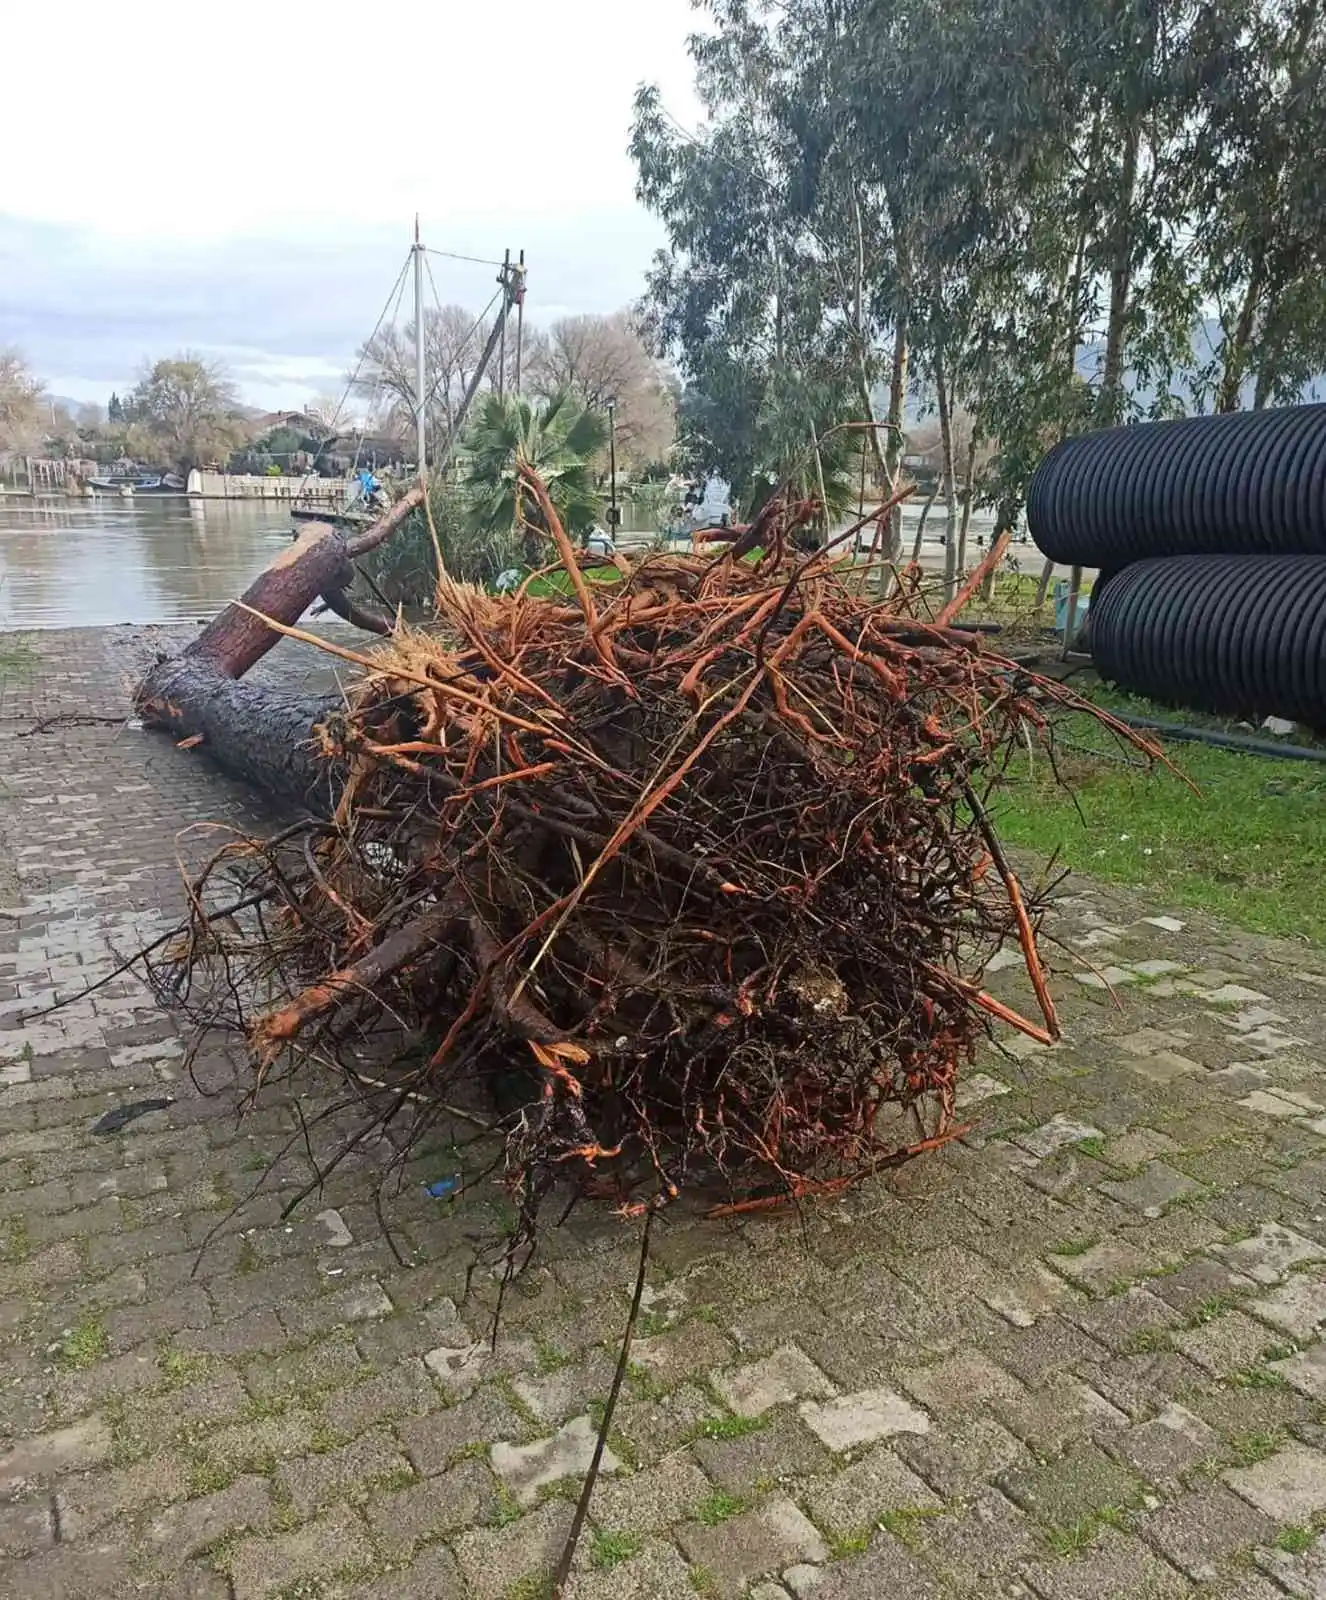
pixel 604 359
pixel 22 405
pixel 332 411
pixel 183 412
pixel 453 342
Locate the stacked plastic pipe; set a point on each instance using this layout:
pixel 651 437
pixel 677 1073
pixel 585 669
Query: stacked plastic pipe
pixel 1210 537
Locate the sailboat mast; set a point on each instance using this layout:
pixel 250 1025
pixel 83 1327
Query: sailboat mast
pixel 420 392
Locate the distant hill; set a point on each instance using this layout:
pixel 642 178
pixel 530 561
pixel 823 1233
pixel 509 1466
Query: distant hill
pixel 1205 341
pixel 920 405
pixel 73 407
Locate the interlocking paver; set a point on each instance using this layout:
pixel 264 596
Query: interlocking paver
pixel 1075 1485
pixel 980 1543
pixel 886 1568
pixel 784 1448
pixel 963 1454
pixel 431 1509
pixel 1201 1530
pixel 494 1560
pixel 1113 1265
pixel 859 1495
pixel 857 1419
pixel 1296 1307
pixel 1116 1566
pixel 653 1500
pixel 529 1469
pixel 188 1530
pixel 734 1553
pixel 1289 1487
pixel 264 1566
pixel 779 1379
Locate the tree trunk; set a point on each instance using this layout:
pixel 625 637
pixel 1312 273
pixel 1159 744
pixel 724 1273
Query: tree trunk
pixel 873 450
pixel 1006 520
pixel 1121 283
pixel 920 525
pixel 1237 348
pixel 968 480
pixel 1073 319
pixel 898 375
pixel 264 736
pixel 950 494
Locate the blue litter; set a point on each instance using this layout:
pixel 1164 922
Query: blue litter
pixel 1061 608
pixel 443 1188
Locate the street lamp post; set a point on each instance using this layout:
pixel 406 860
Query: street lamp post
pixel 614 515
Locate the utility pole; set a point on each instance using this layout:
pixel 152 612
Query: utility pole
pixel 614 516
pixel 420 393
pixel 520 317
pixel 504 280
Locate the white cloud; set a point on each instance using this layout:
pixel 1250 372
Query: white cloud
pixel 243 178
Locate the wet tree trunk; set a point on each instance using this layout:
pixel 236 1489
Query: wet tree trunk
pixel 260 735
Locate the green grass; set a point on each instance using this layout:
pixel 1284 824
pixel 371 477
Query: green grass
pixel 551 1357
pixel 1250 1448
pixel 850 1544
pixel 14 1242
pixel 1211 1308
pixel 506 1510
pixel 1074 1247
pixel 209 1477
pixel 718 1507
pixel 905 1523
pixel 1250 847
pixel 1294 1541
pixel 1073 1539
pixel 730 1427
pixel 183 1366
pixel 1149 1341
pixel 1256 1378
pixel 610 1549
pixel 537 1586
pixel 558 584
pixel 84 1345
pixel 15 657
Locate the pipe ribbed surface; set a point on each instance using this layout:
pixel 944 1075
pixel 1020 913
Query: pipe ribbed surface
pixel 1239 635
pixel 1250 482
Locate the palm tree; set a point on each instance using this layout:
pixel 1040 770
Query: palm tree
pixel 796 442
pixel 559 438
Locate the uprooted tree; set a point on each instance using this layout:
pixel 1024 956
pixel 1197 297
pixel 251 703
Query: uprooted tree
pixel 689 878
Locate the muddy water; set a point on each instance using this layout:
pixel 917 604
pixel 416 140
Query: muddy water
pixel 167 559
pixel 91 563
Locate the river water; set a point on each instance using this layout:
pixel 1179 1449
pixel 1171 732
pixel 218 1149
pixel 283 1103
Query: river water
pixel 167 559
pixel 91 563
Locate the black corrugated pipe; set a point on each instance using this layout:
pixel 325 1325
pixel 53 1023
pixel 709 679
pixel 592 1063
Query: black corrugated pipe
pixel 1234 635
pixel 1183 734
pixel 1247 482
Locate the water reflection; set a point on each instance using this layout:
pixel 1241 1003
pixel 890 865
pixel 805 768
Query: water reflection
pixel 92 563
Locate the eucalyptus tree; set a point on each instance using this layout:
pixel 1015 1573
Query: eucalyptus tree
pixel 763 291
pixel 1255 176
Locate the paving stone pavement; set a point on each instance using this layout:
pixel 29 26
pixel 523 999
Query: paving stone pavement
pixel 1077 1353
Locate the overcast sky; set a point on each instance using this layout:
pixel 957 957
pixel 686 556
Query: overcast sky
pixel 242 179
